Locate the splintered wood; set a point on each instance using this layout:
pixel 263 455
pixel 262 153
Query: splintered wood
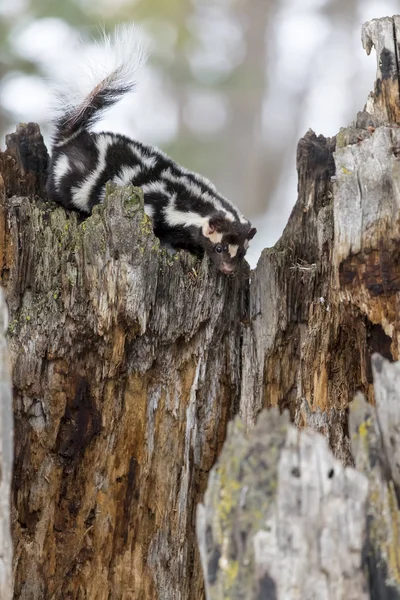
pixel 327 296
pixel 282 519
pixel 383 35
pixel 129 363
pixel 322 302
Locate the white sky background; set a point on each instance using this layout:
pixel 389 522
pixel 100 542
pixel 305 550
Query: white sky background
pixel 338 87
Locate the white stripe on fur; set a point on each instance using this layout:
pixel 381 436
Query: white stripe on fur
pixel 68 139
pixel 61 168
pixel 148 161
pixel 197 177
pixel 195 189
pixel 191 186
pixel 155 187
pixel 177 217
pixel 80 194
pixel 126 174
pixel 149 210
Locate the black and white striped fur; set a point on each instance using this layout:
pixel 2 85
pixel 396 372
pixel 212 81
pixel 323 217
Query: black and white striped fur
pixel 185 208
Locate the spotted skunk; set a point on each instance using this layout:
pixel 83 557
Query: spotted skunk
pixel 186 209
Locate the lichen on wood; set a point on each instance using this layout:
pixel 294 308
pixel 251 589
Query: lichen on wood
pixel 282 519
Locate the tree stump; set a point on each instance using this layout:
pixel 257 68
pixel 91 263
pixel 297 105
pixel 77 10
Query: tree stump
pixel 283 519
pixel 326 297
pixel 126 369
pixel 128 363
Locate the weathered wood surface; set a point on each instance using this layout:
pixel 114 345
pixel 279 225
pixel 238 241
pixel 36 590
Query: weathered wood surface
pixel 6 460
pixel 126 369
pixel 282 519
pixel 375 447
pixel 327 296
pixel 384 103
pixel 128 364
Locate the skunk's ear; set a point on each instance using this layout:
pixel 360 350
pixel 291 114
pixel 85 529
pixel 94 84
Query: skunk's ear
pixel 214 227
pixel 219 222
pixel 251 233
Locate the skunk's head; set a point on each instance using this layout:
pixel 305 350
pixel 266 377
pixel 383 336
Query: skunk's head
pixel 226 241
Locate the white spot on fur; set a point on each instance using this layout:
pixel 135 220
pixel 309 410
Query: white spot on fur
pixel 215 236
pixel 209 232
pixel 232 249
pixel 127 174
pixel 246 244
pixel 61 168
pixel 80 194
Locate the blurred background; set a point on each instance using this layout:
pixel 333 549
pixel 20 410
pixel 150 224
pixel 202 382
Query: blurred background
pixel 230 85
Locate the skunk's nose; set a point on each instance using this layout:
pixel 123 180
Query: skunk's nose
pixel 227 269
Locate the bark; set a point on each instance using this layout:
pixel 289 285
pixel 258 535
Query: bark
pixel 126 366
pixel 6 458
pixel 128 363
pixel 283 519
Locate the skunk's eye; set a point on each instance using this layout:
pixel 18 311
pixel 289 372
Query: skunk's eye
pixel 218 248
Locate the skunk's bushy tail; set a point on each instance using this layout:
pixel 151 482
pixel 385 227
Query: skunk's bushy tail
pixel 99 82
